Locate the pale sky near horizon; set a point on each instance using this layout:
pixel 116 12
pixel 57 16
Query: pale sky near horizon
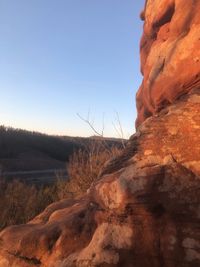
pixel 63 57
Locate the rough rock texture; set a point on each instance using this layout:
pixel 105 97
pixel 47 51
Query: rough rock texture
pixel 144 210
pixel 170 53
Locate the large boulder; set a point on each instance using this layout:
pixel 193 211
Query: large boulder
pixel 144 209
pixel 170 54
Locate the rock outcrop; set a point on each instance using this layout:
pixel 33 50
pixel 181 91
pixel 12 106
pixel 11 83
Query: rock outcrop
pixel 170 54
pixel 144 209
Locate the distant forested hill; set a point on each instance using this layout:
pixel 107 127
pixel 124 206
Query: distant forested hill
pixel 22 150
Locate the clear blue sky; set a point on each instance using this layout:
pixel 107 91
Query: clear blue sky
pixel 60 57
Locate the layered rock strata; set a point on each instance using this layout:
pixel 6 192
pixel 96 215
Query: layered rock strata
pixel 144 209
pixel 170 54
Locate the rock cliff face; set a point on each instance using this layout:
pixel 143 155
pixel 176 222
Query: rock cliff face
pixel 144 210
pixel 170 54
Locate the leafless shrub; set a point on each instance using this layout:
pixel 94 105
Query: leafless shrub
pixel 20 202
pixel 85 164
pixel 84 167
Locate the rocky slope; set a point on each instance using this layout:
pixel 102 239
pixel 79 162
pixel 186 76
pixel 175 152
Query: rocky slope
pixel 144 210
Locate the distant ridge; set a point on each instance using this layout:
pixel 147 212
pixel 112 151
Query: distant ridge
pixel 22 150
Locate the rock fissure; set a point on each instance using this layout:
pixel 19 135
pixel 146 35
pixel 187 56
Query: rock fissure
pixel 33 261
pixel 144 208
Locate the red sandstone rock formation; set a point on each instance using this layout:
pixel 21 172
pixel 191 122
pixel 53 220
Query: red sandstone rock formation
pixel 144 210
pixel 170 54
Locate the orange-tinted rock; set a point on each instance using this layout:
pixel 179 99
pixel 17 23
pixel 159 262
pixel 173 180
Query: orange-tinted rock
pixel 144 211
pixel 170 54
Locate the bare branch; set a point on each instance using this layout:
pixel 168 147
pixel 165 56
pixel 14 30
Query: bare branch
pixel 103 124
pixel 91 124
pixel 118 133
pixel 119 129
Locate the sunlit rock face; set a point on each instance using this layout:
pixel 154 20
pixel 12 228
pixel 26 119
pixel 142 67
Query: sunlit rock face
pixel 144 209
pixel 170 54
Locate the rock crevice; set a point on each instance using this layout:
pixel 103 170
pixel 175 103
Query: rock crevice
pixel 169 54
pixel 144 208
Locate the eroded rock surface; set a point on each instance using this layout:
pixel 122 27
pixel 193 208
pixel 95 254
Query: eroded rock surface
pixel 170 54
pixel 144 210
